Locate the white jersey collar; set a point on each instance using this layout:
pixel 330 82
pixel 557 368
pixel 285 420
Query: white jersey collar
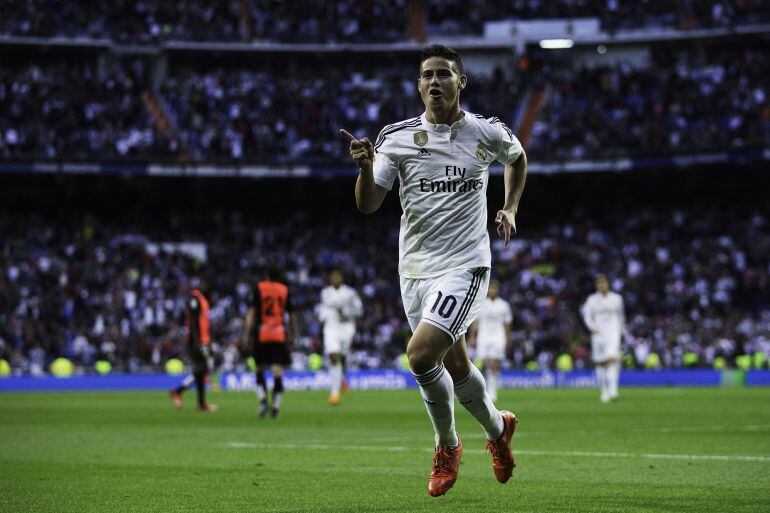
pixel 442 127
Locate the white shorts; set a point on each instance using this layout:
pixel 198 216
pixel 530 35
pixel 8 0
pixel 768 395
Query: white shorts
pixel 603 350
pixel 490 349
pixel 450 302
pixel 338 339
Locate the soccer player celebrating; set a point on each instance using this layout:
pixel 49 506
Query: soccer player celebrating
pixel 604 316
pixel 490 335
pixel 340 306
pixel 265 328
pixel 442 161
pixel 198 341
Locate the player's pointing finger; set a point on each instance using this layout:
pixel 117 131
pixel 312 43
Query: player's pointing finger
pixel 350 137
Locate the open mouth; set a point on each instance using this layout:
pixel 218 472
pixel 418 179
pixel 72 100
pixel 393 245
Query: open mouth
pixel 435 93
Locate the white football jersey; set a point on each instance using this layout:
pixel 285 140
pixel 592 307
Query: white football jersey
pixel 334 299
pixel 493 316
pixel 443 173
pixel 605 314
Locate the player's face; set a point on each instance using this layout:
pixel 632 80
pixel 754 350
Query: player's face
pixel 602 285
pixel 440 84
pixel 336 279
pixel 494 290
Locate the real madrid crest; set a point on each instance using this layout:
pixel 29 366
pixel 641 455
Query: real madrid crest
pixel 481 152
pixel 421 138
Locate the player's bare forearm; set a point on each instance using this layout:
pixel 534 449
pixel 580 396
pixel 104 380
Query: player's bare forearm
pixel 515 178
pixel 248 325
pixel 369 195
pixel 364 188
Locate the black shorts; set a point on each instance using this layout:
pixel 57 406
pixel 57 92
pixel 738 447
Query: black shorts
pixel 269 353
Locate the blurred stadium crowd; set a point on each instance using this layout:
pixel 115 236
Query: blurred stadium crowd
pixel 684 99
pixel 356 21
pixel 697 97
pixel 695 280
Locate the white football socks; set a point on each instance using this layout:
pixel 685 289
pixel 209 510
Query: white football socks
pixel 604 389
pixel 335 376
pixel 472 393
pixel 436 389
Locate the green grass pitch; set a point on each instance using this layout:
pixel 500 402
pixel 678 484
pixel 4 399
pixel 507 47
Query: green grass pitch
pixel 664 450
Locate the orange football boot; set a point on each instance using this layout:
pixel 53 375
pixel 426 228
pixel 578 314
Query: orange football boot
pixel 502 456
pixel 446 464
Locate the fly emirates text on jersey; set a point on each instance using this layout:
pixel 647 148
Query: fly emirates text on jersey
pixel 451 183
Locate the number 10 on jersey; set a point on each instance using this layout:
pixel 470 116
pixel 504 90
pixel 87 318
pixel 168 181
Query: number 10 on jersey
pixel 447 306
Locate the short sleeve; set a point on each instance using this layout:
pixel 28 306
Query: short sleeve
pixel 509 147
pixel 385 164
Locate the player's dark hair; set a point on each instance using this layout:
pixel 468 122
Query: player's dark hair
pixel 445 53
pixel 273 272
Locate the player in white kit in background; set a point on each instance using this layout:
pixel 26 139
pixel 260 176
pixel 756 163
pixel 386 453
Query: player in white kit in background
pixel 603 314
pixel 441 160
pixel 339 308
pixel 491 334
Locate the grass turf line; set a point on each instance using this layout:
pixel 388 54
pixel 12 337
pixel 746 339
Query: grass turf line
pixel 106 452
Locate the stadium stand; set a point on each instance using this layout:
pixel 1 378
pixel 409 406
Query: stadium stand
pixel 463 17
pixel 711 95
pixel 86 282
pixel 144 21
pixel 689 97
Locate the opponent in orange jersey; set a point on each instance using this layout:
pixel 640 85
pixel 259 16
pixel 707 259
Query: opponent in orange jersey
pixel 198 341
pixel 266 330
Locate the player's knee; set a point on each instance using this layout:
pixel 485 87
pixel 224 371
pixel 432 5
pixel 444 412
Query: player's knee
pixel 420 359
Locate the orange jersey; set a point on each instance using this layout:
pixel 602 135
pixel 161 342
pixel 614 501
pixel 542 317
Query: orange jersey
pixel 271 301
pixel 198 312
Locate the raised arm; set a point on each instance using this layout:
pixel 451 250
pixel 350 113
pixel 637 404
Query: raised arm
pixel 515 177
pixel 369 195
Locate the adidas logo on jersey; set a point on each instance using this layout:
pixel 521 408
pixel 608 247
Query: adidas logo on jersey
pixel 423 153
